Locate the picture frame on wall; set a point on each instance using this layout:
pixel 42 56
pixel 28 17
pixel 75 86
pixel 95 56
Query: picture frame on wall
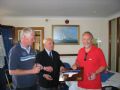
pixel 66 34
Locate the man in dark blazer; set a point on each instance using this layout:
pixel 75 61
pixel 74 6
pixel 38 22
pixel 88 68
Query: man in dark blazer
pixel 49 76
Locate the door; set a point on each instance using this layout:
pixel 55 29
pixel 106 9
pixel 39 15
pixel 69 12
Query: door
pixel 118 55
pixel 114 44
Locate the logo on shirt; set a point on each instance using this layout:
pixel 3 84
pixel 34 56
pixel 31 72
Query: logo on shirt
pixel 90 59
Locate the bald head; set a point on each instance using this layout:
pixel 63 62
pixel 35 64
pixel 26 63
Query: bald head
pixel 48 44
pixel 88 33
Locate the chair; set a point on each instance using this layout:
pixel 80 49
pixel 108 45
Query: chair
pixel 67 65
pixel 8 80
pixel 8 77
pixel 110 88
pixel 63 85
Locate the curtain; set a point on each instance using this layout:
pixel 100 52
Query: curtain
pixel 7 34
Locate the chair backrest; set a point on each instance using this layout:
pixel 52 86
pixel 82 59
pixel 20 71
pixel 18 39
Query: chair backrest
pixel 110 88
pixel 67 65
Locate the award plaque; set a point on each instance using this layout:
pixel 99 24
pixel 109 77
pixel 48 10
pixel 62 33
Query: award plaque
pixel 72 75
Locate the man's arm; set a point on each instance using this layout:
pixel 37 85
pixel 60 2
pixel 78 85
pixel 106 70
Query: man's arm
pixel 93 75
pixel 62 68
pixel 34 70
pixel 101 69
pixel 20 72
pixel 76 64
pixel 102 63
pixel 39 59
pixel 60 62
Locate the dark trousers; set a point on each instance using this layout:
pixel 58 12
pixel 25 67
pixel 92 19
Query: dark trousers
pixel 53 88
pixel 28 88
pixel 2 80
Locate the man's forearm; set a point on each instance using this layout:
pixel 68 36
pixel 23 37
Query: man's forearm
pixel 101 69
pixel 20 72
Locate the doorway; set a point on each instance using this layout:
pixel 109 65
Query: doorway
pixel 114 44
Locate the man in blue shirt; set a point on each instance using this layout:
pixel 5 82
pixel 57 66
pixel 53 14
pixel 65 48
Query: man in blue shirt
pixel 22 65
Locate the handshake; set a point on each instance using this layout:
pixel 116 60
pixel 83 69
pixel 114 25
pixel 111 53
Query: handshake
pixel 38 67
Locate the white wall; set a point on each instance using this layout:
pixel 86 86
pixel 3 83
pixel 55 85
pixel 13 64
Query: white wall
pixel 0 19
pixel 116 15
pixel 98 26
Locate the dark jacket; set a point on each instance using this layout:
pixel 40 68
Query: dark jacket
pixel 44 59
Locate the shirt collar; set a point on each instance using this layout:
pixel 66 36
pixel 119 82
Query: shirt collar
pixel 48 52
pixel 92 48
pixel 26 49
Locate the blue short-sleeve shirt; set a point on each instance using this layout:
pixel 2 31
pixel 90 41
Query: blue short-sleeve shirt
pixel 20 58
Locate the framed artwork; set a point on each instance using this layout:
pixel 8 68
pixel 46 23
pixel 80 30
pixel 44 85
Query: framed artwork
pixel 66 34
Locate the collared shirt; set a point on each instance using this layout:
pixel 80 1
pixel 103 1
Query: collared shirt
pixel 91 62
pixel 19 58
pixel 48 52
pixel 27 49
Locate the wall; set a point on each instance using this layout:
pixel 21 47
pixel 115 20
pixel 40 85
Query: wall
pixel 116 15
pixel 0 19
pixel 98 26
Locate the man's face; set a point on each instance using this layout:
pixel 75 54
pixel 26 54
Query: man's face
pixel 49 45
pixel 30 39
pixel 87 40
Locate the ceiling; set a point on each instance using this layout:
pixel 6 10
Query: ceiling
pixel 69 8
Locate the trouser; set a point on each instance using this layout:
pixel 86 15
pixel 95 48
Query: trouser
pixel 53 88
pixel 28 88
pixel 2 80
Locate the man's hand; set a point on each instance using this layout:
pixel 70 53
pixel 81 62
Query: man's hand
pixel 62 69
pixel 48 69
pixel 47 77
pixel 92 76
pixel 74 66
pixel 39 65
pixel 36 68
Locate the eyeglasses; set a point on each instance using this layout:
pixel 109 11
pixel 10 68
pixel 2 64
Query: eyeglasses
pixel 85 57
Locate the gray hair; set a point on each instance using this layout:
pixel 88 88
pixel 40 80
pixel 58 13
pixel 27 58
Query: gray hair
pixel 87 32
pixel 48 39
pixel 26 32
